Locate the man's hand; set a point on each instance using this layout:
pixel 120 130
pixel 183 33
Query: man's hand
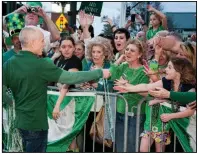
pixel 106 73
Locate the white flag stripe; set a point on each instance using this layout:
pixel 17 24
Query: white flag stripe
pixel 63 126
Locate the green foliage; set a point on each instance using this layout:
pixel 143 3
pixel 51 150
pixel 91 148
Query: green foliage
pixel 107 30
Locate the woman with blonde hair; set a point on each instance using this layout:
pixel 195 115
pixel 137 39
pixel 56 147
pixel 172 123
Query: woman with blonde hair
pixel 133 71
pixel 99 54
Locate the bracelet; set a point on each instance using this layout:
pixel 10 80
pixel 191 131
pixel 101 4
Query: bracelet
pixel 113 26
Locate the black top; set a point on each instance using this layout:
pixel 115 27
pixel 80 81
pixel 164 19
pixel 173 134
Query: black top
pixel 66 64
pixel 167 84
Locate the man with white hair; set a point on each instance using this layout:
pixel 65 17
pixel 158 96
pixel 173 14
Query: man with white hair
pixel 29 87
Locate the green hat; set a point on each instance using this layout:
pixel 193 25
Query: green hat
pixel 36 4
pixel 14 23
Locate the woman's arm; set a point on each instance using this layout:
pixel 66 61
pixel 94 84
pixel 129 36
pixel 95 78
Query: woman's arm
pixel 56 111
pixel 85 21
pixel 187 113
pixel 137 88
pixel 63 91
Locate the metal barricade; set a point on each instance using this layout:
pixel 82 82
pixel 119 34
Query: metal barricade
pixel 76 92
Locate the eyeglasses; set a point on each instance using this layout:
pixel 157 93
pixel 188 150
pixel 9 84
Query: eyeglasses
pixel 12 32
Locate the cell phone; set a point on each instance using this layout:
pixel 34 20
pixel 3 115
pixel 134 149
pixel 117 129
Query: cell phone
pixel 133 17
pixel 104 18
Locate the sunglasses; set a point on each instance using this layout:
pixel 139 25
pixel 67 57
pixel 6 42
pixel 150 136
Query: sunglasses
pixel 12 32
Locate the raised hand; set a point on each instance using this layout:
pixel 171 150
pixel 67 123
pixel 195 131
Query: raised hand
pixel 21 10
pixel 128 24
pixel 139 18
pixel 90 19
pixel 85 19
pixel 40 12
pixel 150 8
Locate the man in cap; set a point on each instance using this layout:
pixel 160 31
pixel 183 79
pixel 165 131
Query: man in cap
pixel 35 15
pixel 14 24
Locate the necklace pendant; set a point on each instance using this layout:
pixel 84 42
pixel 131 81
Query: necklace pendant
pixel 154 129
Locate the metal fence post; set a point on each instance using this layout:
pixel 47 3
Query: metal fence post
pixel 138 123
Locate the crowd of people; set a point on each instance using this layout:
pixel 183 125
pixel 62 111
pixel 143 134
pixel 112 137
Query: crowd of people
pixel 157 64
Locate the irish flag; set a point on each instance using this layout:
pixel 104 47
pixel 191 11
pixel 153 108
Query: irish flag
pixel 75 109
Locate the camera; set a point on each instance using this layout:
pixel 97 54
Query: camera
pixel 104 18
pixel 32 9
pixel 133 17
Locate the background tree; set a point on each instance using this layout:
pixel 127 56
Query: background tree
pixel 107 29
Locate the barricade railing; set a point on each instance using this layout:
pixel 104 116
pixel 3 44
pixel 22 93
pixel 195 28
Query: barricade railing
pixel 138 124
pixel 76 92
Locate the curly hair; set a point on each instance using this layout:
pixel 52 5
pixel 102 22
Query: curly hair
pixel 185 68
pixel 104 43
pixel 139 45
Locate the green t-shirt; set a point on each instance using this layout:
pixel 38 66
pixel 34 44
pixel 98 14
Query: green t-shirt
pixel 151 33
pixel 7 55
pixel 27 76
pixel 134 76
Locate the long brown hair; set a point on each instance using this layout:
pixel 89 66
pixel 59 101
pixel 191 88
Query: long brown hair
pixel 185 68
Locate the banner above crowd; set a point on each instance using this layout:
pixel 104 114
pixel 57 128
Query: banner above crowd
pixel 92 7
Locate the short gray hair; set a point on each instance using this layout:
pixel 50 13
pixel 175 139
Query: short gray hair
pixel 28 33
